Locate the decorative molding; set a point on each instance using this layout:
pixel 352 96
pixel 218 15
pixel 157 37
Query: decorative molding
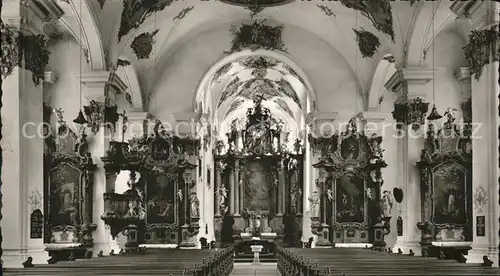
pixel 183 12
pixel 480 199
pixel 410 113
pixel 326 10
pixel 400 80
pixel 99 79
pixel 10 51
pixel 368 43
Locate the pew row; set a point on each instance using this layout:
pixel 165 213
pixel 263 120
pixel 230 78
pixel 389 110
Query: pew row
pixel 204 262
pixel 353 262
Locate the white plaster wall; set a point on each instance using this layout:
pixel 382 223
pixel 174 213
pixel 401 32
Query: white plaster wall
pixel 64 62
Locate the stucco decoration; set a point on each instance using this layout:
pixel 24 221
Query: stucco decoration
pixel 35 200
pixel 326 10
pixel 235 105
pixel 286 88
pixel 283 105
pixel 230 90
pixel 183 12
pixel 142 45
pixel 135 13
pixel 122 62
pixel 480 199
pixel 29 51
pixel 379 12
pixel 484 45
pixel 256 35
pixel 9 53
pixel 368 43
pixel 222 71
pixel 101 3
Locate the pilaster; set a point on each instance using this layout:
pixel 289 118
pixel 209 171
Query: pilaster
pixel 410 83
pixel 100 86
pixel 485 127
pixel 22 143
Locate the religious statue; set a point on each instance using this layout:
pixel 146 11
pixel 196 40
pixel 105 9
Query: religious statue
pixel 180 195
pixel 131 212
pixel 387 204
pixel 369 193
pixel 222 191
pixel 329 193
pixel 296 192
pixel 314 201
pixel 195 206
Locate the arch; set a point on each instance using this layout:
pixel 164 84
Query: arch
pixel 130 78
pixel 90 35
pixel 422 33
pixel 200 94
pixel 381 74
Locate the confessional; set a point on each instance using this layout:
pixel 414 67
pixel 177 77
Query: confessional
pixel 347 208
pixel 258 185
pixel 161 208
pixel 446 191
pixel 68 186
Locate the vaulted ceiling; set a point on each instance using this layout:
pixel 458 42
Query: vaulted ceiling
pixel 149 32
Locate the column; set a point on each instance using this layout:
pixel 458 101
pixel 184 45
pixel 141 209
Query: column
pixel 218 172
pixel 99 86
pixel 485 127
pixel 410 83
pixel 23 147
pixel 232 192
pixel 282 192
pixel 237 187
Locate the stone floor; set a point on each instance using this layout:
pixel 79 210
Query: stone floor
pixel 247 269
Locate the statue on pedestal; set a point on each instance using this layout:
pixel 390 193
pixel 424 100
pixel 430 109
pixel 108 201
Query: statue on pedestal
pixel 387 204
pixel 314 201
pixel 195 206
pixel 222 191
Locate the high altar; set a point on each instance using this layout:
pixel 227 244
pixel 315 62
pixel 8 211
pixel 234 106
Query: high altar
pixel 258 193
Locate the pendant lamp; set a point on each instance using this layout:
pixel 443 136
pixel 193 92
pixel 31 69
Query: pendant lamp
pixel 80 119
pixel 434 115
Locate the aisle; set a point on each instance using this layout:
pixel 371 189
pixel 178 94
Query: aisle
pixel 247 269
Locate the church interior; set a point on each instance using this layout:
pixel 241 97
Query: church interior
pixel 339 137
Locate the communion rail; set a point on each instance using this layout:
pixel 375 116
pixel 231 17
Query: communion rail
pixel 168 262
pixel 354 262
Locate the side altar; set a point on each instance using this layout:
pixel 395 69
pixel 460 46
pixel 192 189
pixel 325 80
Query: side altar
pixel 161 207
pixel 348 207
pixel 258 185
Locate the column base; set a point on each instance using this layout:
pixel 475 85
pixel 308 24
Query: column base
pixel 39 255
pixel 475 255
pixel 105 247
pixel 13 258
pixel 406 246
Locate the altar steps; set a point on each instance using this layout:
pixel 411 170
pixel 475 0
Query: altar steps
pixel 248 258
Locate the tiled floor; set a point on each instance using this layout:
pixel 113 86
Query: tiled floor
pixel 246 269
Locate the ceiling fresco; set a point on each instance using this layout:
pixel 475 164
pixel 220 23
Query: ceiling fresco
pixel 230 90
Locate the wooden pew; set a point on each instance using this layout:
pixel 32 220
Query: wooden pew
pixel 353 262
pixel 173 262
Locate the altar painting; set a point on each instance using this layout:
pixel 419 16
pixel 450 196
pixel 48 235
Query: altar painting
pixel 161 200
pixel 64 186
pixel 257 183
pixel 350 199
pixel 449 194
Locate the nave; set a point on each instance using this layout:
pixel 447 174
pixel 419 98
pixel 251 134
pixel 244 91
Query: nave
pixel 290 261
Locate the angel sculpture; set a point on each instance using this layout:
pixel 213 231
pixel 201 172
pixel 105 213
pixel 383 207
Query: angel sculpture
pixel 180 195
pixel 329 193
